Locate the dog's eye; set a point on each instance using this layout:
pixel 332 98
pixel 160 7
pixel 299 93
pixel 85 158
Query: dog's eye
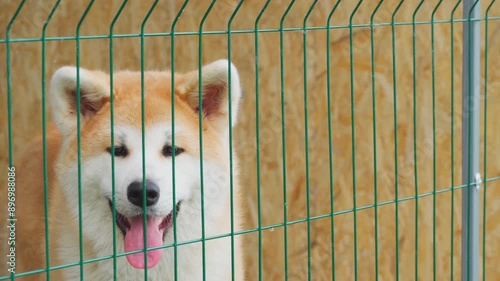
pixel 119 151
pixel 168 150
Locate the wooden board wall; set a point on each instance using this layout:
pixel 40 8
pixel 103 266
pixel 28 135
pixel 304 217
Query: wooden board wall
pixel 396 66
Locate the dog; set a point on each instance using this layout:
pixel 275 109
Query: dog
pixel 89 220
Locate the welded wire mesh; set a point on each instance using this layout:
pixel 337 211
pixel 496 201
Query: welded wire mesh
pixel 353 141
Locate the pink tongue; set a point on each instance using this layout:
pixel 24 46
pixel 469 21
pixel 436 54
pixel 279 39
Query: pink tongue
pixel 134 240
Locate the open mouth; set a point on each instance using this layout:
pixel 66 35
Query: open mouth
pixel 133 232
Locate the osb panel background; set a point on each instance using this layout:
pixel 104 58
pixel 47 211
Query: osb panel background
pixel 392 73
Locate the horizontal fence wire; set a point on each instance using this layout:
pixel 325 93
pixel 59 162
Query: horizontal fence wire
pixel 243 31
pixel 308 218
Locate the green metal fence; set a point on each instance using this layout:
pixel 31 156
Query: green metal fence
pixel 474 242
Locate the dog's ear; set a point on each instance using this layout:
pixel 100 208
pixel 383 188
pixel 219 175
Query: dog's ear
pixel 94 92
pixel 217 78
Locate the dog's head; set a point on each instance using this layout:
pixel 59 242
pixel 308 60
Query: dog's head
pixel 134 112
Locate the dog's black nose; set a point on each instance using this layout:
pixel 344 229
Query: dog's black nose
pixel 135 193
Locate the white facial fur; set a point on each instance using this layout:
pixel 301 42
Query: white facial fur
pixel 96 183
pixel 158 169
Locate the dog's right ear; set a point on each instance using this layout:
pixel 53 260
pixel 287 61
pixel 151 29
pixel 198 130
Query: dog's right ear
pixel 94 93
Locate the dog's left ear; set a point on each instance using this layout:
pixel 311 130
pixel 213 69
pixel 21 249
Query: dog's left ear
pixel 94 93
pixel 217 78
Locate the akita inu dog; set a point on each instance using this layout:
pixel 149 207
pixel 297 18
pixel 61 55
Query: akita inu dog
pixel 92 171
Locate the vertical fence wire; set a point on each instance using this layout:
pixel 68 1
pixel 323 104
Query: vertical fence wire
pixel 230 137
pixel 485 134
pixel 353 138
pixel 374 125
pixel 283 136
pixel 257 134
pixel 415 158
pixel 306 141
pixel 172 101
pixel 452 109
pixel 79 140
pixel 112 128
pixel 434 152
pixel 395 126
pixel 143 141
pixel 330 146
pixel 200 116
pixel 9 97
pixel 44 140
